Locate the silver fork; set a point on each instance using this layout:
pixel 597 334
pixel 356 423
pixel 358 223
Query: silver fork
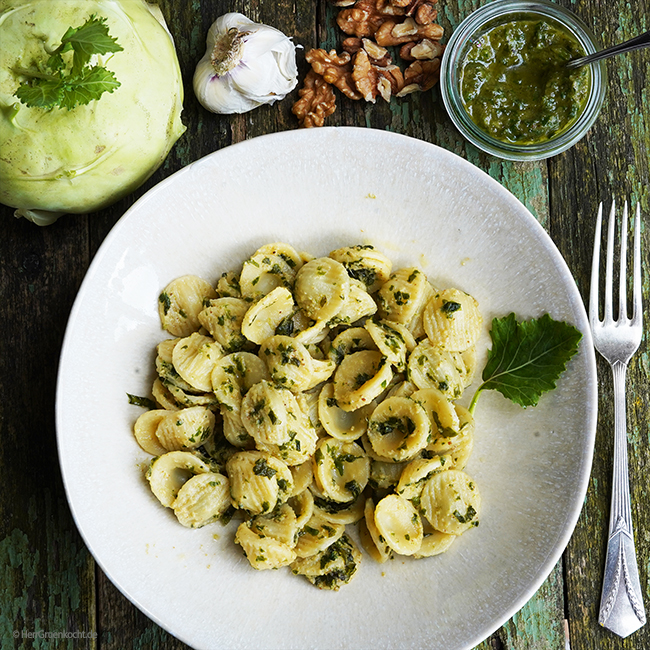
pixel 621 604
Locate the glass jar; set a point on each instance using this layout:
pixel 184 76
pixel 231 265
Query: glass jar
pixel 474 27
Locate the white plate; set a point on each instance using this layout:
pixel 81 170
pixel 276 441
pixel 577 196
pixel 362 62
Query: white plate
pixel 318 190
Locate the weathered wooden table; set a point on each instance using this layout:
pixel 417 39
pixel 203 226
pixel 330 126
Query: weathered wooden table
pixel 49 580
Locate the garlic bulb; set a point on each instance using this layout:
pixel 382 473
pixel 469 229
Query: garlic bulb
pixel 245 65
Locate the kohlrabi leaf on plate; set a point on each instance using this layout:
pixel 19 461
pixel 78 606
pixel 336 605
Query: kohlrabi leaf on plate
pixel 527 357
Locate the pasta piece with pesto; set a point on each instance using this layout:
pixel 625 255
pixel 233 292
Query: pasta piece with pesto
pixel 451 502
pixel 434 543
pixel 341 469
pixel 169 472
pixel 144 430
pixel 416 326
pixel 234 430
pixel 346 426
pixel 331 568
pixel 335 512
pixel 308 402
pixel 416 472
pixel 263 552
pixel 281 524
pixel 202 499
pixel 265 316
pixel 393 340
pixel 353 339
pixel 399 524
pixel 360 378
pixel 258 481
pixel 301 441
pixel 430 367
pixel 264 272
pixel 321 289
pixel 165 366
pixel 303 476
pixel 359 304
pixel 287 252
pixel 457 444
pixel 402 294
pixel 234 375
pixel 452 320
pixel 441 411
pixel 222 318
pixel 264 414
pixel 163 396
pixel 187 428
pixel 398 429
pixel 364 263
pixel 384 474
pixel 228 285
pixel 316 535
pixel 194 358
pixel 302 505
pixel 181 301
pixel 291 365
pixel 375 543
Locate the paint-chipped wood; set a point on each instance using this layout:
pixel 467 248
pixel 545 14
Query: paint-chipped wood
pixel 51 583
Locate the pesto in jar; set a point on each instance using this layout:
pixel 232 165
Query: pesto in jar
pixel 514 85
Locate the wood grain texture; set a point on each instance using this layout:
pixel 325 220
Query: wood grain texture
pixel 49 580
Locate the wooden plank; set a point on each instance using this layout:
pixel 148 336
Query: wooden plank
pixel 611 161
pixel 47 576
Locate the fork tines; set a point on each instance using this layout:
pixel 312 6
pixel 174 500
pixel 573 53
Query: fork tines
pixel 622 315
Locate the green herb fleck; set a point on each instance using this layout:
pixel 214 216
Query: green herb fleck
pixel 144 402
pixel 449 307
pixel 262 468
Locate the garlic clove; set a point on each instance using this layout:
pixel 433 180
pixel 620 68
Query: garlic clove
pixel 262 83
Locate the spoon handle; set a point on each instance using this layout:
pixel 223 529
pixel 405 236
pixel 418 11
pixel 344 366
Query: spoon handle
pixel 636 43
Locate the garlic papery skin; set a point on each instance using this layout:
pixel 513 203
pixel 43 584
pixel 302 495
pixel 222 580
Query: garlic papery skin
pixel 245 65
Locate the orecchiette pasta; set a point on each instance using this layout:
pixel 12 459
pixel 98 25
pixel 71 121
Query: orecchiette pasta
pixel 265 316
pixel 402 294
pixel 322 287
pixel 341 469
pixel 451 502
pixel 364 263
pixel 180 303
pixel 187 428
pixel 361 377
pixel 313 394
pixel 258 481
pixel 398 429
pixel 223 318
pixel 452 320
pixel 194 358
pixel 204 498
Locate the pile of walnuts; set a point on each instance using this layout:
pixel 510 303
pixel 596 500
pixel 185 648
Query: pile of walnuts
pixel 365 69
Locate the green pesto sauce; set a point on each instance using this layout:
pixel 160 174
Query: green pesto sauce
pixel 514 85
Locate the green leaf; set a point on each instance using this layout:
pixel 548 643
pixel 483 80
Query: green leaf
pixel 82 83
pixel 91 84
pixel 43 93
pixel 527 357
pixel 91 38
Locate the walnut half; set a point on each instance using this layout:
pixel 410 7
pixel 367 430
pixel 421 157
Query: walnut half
pixel 317 101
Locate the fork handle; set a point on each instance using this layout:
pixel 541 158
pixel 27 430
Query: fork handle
pixel 621 603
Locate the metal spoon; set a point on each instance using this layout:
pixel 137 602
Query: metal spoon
pixel 627 46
